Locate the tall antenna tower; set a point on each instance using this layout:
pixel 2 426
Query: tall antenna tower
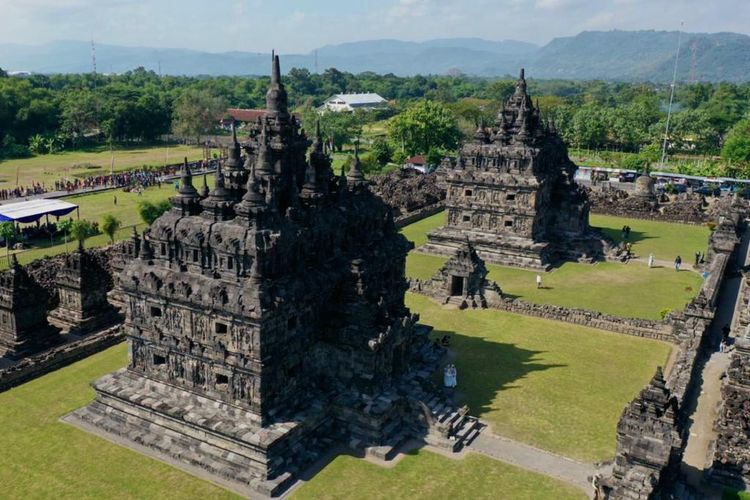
pixel 316 61
pixel 93 59
pixel 671 99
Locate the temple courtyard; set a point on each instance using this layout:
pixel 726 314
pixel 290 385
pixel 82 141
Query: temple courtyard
pixel 627 290
pixel 555 386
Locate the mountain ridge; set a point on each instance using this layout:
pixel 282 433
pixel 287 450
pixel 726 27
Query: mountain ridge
pixel 615 55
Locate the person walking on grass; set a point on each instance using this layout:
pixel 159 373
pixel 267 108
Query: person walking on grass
pixel 677 263
pixel 539 281
pixel 650 260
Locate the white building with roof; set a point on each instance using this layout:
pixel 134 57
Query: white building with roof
pixel 351 102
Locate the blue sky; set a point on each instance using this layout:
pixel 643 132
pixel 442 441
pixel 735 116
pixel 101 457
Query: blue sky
pixel 301 25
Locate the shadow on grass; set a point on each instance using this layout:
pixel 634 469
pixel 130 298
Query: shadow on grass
pixel 486 368
pixel 616 235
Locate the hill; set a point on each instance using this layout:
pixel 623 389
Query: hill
pixel 607 55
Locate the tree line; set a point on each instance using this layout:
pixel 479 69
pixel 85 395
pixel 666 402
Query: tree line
pixel 429 114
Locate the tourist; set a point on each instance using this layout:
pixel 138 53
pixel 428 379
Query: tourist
pixel 650 260
pixel 677 263
pixel 722 345
pixel 624 232
pixel 627 232
pixel 445 341
pixel 450 376
pixel 697 258
pixel 114 200
pixel 539 281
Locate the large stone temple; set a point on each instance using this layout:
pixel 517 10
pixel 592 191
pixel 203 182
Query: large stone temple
pixel 266 320
pixel 512 193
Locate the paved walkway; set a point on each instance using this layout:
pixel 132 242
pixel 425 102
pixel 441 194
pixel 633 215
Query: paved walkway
pixel 536 460
pixel 696 458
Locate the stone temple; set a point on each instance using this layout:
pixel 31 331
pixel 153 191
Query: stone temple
pixel 512 193
pixel 266 321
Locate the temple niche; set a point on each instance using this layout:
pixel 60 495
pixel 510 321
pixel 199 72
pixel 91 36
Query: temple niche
pixel 24 328
pixel 82 287
pixel 512 193
pixel 266 320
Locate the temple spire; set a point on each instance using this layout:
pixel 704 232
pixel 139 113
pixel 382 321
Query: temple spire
pixel 276 97
pixel 204 187
pixel 187 197
pixel 355 176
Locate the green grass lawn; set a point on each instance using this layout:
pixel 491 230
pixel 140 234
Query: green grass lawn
pixel 49 168
pixel 631 290
pixel 44 458
pixel 556 386
pixel 425 475
pixel 665 240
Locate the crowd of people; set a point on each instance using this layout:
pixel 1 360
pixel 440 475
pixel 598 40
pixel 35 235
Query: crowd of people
pixel 142 178
pixel 138 179
pixel 22 191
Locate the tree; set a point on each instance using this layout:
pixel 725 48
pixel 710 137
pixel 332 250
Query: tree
pixel 64 226
pixel 424 126
pixel 197 112
pixel 737 145
pixel 381 150
pixel 79 230
pixel 150 211
pixel 8 232
pixel 110 225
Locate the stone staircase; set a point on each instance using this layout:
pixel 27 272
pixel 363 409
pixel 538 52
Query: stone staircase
pixel 452 428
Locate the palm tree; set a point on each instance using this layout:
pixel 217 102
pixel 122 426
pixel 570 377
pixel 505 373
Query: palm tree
pixel 8 232
pixel 79 230
pixel 110 225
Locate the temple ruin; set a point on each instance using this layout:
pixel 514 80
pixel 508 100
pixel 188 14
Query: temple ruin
pixel 266 320
pixel 23 314
pixel 512 193
pixel 82 286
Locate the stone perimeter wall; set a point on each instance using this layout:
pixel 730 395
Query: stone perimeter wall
pixel 659 330
pixel 59 356
pixel 419 214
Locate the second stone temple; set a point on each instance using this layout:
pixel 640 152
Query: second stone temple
pixel 512 193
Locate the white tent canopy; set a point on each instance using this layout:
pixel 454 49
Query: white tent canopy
pixel 31 211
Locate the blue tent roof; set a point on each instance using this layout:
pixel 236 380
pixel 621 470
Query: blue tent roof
pixel 30 211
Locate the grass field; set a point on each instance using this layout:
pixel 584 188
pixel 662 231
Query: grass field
pixel 49 168
pixel 557 386
pixel 631 290
pixel 44 458
pixel 425 475
pixel 664 239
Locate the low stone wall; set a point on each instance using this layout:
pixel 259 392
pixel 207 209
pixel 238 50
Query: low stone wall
pixel 658 330
pixel 59 356
pixel 418 215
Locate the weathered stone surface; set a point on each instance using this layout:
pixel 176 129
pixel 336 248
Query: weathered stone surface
pixel 512 193
pixel 23 314
pixel 683 208
pixel 267 319
pixel 82 285
pixel 648 445
pixel 407 190
pixel 462 279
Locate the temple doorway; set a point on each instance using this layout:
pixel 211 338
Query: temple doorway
pixel 457 286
